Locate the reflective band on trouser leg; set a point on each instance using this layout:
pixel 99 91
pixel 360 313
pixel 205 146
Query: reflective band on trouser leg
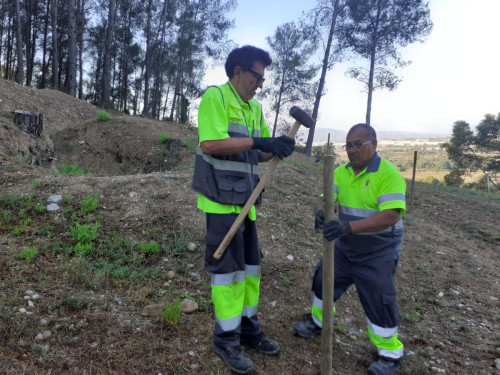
pixel 252 285
pixel 228 302
pixel 317 311
pixel 386 342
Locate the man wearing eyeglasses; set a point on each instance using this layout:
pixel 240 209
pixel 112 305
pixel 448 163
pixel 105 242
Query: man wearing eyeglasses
pixel 233 139
pixel 371 196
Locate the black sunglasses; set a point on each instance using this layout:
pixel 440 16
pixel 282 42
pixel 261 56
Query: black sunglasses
pixel 257 76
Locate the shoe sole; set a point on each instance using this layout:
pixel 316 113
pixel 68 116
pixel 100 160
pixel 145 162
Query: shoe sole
pixel 221 355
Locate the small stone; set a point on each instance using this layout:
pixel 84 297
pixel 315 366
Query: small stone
pixel 194 366
pixel 31 304
pixel 494 298
pixel 22 310
pixel 170 274
pixel 54 199
pixel 289 257
pixel 44 322
pixel 52 207
pixel 188 306
pixel 39 337
pixel 81 142
pixel 29 292
pixel 191 246
pixel 36 296
pixel 497 363
pixel 191 353
pixel 46 334
pixel 27 297
pixel 440 294
pixel 154 310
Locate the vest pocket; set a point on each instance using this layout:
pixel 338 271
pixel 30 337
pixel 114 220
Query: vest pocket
pixel 233 191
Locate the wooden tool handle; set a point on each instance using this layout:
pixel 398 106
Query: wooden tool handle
pixel 253 197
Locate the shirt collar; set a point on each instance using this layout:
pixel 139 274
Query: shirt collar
pixel 372 167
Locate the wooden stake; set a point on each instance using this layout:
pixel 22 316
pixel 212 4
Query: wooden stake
pixel 328 267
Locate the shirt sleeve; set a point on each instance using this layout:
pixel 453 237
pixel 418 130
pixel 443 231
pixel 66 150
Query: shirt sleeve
pixel 212 118
pixel 392 192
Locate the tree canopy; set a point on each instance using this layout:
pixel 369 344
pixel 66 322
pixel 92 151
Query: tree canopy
pixel 476 151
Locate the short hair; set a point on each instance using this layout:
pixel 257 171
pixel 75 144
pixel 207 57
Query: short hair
pixel 245 57
pixel 368 128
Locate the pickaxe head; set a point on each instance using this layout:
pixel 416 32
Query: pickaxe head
pixel 302 117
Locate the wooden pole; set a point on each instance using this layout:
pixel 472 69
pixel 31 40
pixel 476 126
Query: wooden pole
pixel 328 267
pixel 413 178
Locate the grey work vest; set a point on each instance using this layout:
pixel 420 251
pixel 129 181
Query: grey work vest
pixel 229 179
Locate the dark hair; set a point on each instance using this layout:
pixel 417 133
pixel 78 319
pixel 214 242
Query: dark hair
pixel 245 57
pixel 371 132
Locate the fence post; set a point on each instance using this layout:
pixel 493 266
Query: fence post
pixel 413 178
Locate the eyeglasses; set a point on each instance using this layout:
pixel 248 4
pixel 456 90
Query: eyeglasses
pixel 257 76
pixel 355 146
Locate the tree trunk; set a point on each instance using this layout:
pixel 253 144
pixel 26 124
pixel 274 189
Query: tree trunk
pixel 147 75
pixel 19 45
pixel 106 72
pixel 9 47
pixel 55 47
pixel 372 67
pixel 324 68
pixel 71 75
pixel 43 82
pixel 81 28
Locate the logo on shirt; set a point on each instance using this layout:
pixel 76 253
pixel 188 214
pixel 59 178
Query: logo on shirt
pixel 367 182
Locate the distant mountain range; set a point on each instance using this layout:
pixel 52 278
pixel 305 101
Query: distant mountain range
pixel 321 135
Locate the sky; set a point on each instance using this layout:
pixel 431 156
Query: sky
pixel 454 74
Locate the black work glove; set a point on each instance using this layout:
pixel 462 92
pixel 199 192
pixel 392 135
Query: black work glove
pixel 281 146
pixel 319 217
pixel 336 228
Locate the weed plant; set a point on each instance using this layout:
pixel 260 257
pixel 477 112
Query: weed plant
pixel 28 253
pixel 85 233
pixel 89 204
pixel 150 248
pixel 164 137
pixel 40 208
pixel 37 183
pixel 172 312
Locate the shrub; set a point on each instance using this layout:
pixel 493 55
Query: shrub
pixel 150 248
pixel 37 183
pixel 28 253
pixel 454 178
pixel 71 168
pixel 102 116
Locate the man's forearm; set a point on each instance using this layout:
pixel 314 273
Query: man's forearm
pixel 227 146
pixel 377 222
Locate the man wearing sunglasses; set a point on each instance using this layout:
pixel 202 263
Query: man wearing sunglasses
pixel 371 196
pixel 233 139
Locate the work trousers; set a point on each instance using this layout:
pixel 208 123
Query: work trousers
pixel 235 278
pixel 376 287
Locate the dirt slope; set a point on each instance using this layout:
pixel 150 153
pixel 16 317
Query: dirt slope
pixel 449 283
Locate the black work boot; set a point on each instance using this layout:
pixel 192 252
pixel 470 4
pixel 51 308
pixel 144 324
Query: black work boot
pixel 384 366
pixel 307 329
pixel 235 358
pixel 261 343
